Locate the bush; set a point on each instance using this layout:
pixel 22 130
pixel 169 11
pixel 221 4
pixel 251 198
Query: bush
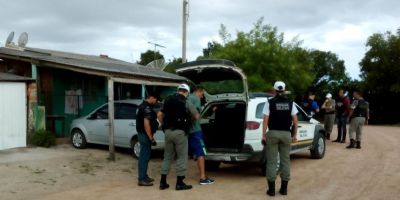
pixel 43 138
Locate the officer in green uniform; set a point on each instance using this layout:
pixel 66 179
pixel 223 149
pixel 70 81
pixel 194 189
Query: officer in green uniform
pixel 176 116
pixel 358 116
pixel 280 117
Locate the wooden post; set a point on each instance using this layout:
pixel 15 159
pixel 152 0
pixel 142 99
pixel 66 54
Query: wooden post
pixel 111 118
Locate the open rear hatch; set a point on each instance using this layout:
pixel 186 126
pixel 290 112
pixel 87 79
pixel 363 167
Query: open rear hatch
pixel 224 115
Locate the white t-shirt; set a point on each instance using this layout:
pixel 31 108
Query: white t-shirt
pixel 267 112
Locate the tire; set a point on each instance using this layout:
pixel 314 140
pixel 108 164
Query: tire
pixel 212 165
pixel 135 146
pixel 78 139
pixel 319 146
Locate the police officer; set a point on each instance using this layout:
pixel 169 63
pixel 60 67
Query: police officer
pixel 358 116
pixel 146 126
pixel 329 115
pixel 280 117
pixel 176 116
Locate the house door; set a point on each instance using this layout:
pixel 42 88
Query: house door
pixel 13 115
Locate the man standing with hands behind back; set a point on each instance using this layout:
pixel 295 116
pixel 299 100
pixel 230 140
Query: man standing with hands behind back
pixel 146 126
pixel 280 117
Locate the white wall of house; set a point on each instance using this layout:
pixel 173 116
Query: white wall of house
pixel 13 115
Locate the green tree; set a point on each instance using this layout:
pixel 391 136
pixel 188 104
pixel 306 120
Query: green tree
pixel 148 56
pixel 330 73
pixel 173 64
pixel 265 57
pixel 380 66
pixel 380 69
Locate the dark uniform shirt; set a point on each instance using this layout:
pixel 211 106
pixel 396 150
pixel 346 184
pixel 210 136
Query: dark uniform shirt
pixel 145 110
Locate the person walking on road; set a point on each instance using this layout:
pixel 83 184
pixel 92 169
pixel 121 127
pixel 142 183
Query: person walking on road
pixel 176 116
pixel 146 126
pixel 196 143
pixel 359 115
pixel 280 118
pixel 342 112
pixel 329 115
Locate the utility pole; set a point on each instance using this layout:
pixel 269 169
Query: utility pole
pixel 155 46
pixel 111 148
pixel 185 16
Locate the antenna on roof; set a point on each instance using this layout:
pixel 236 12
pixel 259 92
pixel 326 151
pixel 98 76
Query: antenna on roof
pixel 23 40
pixel 9 41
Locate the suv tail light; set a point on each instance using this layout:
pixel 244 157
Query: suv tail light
pixel 252 125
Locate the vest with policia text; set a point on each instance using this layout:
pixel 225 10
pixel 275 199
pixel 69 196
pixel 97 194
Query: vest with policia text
pixel 361 108
pixel 176 114
pixel 280 117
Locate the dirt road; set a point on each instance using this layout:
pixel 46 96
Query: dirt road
pixel 63 172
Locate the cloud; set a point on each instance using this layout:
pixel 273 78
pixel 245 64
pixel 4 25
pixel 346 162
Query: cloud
pixel 123 28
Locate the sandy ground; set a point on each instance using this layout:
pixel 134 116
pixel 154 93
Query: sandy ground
pixel 63 172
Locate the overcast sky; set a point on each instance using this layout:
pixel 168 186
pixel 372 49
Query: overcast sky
pixel 123 28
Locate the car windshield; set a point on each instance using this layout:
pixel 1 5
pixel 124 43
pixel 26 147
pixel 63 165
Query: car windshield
pixel 225 86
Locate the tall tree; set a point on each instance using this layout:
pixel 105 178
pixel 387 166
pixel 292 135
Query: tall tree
pixel 380 70
pixel 330 72
pixel 265 57
pixel 148 56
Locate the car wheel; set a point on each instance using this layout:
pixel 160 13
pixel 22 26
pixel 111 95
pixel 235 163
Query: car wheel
pixel 212 165
pixel 318 150
pixel 78 139
pixel 135 146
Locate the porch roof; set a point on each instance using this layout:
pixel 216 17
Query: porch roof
pixel 90 64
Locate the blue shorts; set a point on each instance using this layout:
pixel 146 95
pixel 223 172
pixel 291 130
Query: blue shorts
pixel 196 144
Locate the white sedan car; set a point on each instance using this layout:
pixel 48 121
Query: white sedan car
pixel 94 127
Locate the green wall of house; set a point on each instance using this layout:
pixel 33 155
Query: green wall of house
pixel 93 93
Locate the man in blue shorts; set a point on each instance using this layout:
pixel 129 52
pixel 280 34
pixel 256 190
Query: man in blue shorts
pixel 196 143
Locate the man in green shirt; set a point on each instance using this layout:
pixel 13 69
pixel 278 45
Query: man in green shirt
pixel 196 143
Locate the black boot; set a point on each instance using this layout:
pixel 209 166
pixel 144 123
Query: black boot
pixel 271 188
pixel 358 145
pixel 163 182
pixel 283 189
pixel 328 136
pixel 352 144
pixel 180 185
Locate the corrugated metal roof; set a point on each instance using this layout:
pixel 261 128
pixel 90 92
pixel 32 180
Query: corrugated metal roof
pixel 89 63
pixel 13 77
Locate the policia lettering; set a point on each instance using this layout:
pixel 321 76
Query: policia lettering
pixel 279 115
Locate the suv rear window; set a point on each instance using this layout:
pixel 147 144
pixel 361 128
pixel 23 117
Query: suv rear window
pixel 259 110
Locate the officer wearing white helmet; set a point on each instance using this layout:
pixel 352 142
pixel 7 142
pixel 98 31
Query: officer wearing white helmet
pixel 329 116
pixel 280 118
pixel 175 116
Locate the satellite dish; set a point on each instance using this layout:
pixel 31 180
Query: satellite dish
pixel 157 64
pixel 10 38
pixel 23 40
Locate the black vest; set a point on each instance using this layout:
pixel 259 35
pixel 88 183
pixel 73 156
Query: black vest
pixel 175 113
pixel 361 108
pixel 145 110
pixel 280 117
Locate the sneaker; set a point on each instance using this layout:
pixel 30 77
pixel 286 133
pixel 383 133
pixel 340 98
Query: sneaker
pixel 145 183
pixel 206 181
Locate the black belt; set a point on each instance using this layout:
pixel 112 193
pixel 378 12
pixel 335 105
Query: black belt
pixel 329 113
